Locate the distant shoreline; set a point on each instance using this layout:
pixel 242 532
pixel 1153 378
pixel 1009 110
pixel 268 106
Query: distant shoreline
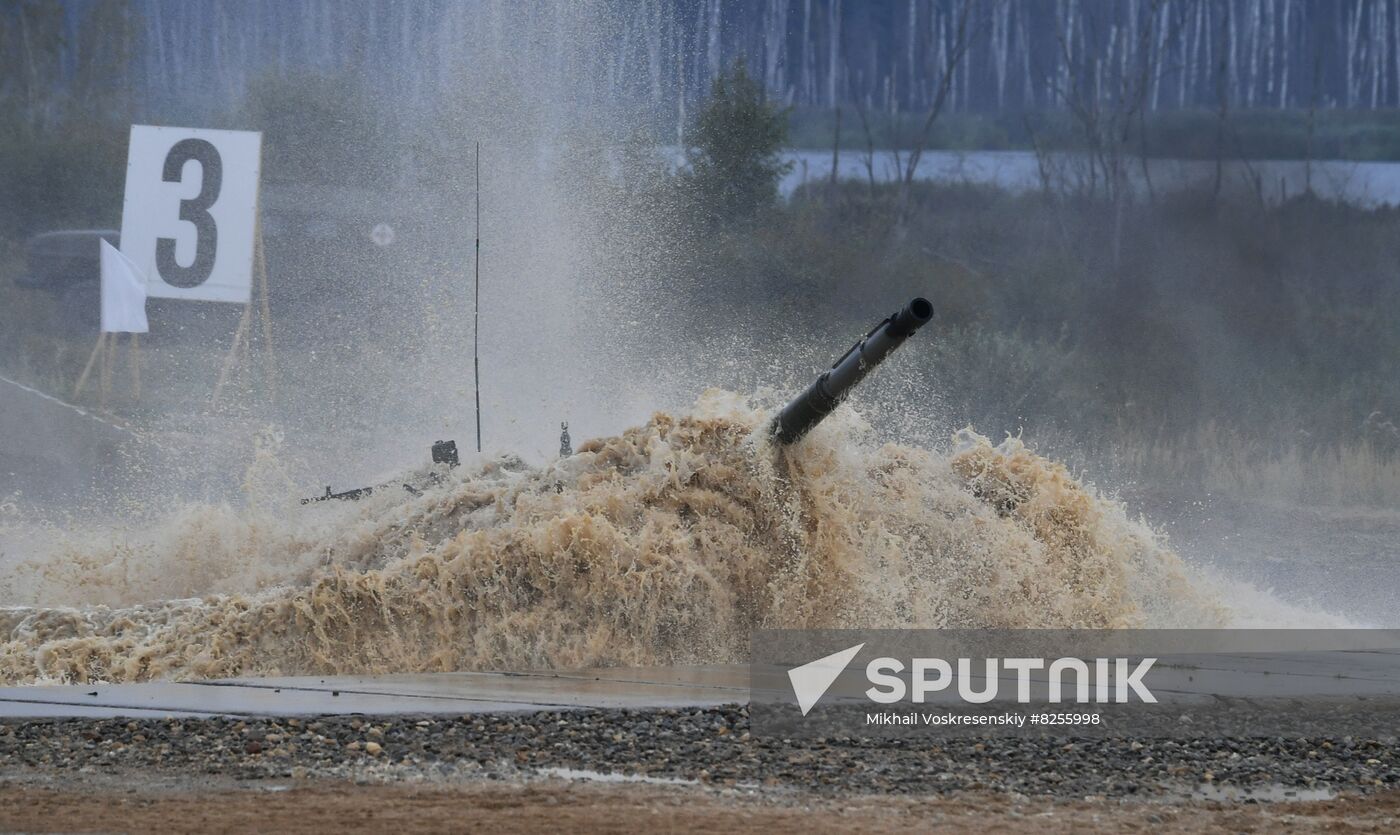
pixel 1330 135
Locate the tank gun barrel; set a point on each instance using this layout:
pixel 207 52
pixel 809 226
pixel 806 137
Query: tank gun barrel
pixel 828 391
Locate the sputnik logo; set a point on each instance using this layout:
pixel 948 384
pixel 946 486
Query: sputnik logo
pixel 811 681
pixel 1112 680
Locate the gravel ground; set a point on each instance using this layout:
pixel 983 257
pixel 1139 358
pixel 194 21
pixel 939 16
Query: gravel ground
pixel 709 746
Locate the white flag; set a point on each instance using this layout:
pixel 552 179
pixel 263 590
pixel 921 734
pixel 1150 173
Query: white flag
pixel 123 293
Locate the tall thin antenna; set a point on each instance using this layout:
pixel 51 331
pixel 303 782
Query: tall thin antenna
pixel 476 304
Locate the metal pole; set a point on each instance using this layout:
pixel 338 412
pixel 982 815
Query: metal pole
pixel 476 303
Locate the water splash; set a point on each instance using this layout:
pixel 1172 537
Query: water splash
pixel 666 544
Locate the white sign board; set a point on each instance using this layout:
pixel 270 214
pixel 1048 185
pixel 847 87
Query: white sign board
pixel 191 211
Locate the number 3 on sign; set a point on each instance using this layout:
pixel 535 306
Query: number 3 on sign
pixel 190 213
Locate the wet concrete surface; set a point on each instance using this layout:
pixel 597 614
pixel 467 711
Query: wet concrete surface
pixel 1346 675
pixel 438 693
pixel 1344 561
pixel 50 449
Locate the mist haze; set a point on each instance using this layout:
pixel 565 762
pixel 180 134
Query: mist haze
pixel 1194 369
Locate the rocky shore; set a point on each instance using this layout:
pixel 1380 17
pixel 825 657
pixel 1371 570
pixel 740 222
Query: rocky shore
pixel 708 747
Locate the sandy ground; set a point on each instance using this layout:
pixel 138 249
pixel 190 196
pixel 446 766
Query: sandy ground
pixel 559 805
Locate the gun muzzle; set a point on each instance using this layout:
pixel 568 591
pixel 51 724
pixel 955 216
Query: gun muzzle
pixel 826 393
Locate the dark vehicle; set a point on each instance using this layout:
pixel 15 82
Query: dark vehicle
pixel 66 264
pixel 337 259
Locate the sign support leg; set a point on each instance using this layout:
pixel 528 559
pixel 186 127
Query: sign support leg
pixel 232 358
pixel 134 357
pixel 105 367
pixel 239 356
pixel 269 356
pixel 97 352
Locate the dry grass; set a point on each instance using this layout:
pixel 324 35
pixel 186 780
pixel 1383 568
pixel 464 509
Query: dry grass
pixel 1211 460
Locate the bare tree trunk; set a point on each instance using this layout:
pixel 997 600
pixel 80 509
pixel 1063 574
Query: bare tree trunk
pixel 1312 119
pixel 714 53
pixel 1222 84
pixel 807 64
pixel 1353 34
pixel 911 68
pixel 836 149
pixel 31 79
pixel 833 69
pixel 1286 51
pixel 869 145
pixel 680 99
pixel 961 38
pixel 774 37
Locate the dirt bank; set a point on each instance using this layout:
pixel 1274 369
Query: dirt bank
pixel 559 805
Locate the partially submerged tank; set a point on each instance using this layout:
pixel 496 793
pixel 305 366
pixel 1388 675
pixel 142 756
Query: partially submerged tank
pixel 830 389
pixel 795 420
